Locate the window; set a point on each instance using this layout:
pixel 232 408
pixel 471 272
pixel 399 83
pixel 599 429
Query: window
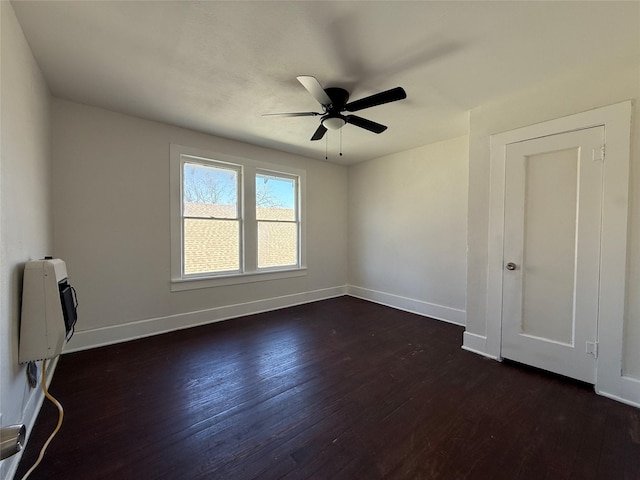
pixel 277 217
pixel 233 220
pixel 210 218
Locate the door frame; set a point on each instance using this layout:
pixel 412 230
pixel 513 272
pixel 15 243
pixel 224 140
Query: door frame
pixel 613 260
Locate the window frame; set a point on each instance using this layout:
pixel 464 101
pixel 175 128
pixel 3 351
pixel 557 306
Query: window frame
pixel 249 271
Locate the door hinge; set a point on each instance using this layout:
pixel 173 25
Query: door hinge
pixel 598 154
pixel 592 349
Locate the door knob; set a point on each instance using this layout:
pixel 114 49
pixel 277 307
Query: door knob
pixel 511 266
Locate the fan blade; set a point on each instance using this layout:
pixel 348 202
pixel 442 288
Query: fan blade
pixel 319 133
pixel 314 88
pixel 392 95
pixel 294 114
pixel 366 124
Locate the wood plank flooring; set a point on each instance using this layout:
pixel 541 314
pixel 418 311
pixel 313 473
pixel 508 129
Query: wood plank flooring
pixel 337 389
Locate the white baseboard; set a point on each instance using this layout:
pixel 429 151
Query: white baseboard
pixel 29 416
pixel 98 337
pixel 474 343
pixel 629 391
pixel 86 339
pixel 432 310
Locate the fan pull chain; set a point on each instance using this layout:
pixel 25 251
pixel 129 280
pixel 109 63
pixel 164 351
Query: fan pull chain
pixel 326 146
pixel 340 142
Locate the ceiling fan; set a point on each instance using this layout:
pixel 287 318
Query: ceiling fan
pixel 334 103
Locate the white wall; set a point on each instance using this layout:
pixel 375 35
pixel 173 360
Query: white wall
pixel 25 207
pixel 111 226
pixel 574 93
pixel 407 229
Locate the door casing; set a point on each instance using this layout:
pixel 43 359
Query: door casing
pixel 616 120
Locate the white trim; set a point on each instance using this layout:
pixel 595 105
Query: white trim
pixel 84 340
pixel 29 416
pixel 495 261
pixel 617 122
pixel 432 310
pixel 629 394
pixel 248 167
pixel 474 343
pixel 235 279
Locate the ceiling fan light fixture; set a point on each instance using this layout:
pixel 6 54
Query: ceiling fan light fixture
pixel 334 123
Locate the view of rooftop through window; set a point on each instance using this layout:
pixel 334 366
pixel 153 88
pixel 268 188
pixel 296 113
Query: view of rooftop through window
pixel 277 220
pixel 212 227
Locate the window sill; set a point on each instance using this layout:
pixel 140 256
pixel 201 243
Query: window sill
pixel 181 284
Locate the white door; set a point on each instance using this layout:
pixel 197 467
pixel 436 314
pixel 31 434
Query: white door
pixel 552 227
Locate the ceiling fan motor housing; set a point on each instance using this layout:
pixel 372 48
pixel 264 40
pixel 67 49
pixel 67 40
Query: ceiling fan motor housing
pixel 339 98
pixel 334 120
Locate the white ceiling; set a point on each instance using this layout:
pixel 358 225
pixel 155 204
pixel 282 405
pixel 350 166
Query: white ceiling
pixel 217 66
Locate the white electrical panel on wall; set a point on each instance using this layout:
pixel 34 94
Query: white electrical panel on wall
pixel 48 310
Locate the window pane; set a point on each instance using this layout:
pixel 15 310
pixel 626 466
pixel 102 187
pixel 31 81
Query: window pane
pixel 275 198
pixel 277 244
pixel 209 192
pixel 211 246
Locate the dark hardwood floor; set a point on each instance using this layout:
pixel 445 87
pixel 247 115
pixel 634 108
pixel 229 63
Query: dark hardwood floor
pixel 338 389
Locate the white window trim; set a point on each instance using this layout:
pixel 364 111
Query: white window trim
pixel 250 272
